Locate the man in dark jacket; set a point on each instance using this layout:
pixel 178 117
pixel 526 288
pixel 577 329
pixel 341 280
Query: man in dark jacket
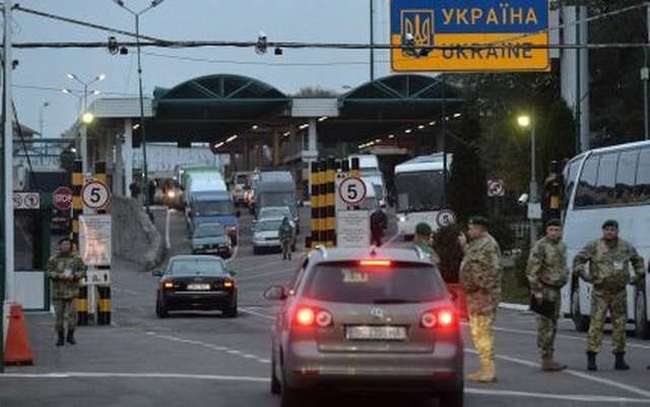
pixel 378 223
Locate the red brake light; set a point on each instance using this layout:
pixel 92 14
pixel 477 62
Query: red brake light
pixel 438 319
pixel 375 263
pixel 307 317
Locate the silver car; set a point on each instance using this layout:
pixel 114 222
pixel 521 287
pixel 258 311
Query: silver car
pixel 366 319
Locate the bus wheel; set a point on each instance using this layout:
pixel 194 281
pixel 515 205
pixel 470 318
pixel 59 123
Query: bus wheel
pixel 580 321
pixel 641 325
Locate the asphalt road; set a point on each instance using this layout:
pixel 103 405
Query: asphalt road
pixel 206 360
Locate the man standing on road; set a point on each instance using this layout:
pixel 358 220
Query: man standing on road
pixel 378 223
pixel 422 241
pixel 65 269
pixel 547 273
pixel 286 237
pixel 609 259
pixel 480 275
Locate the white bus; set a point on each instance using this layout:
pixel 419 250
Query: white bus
pixel 369 167
pixel 601 184
pixel 419 188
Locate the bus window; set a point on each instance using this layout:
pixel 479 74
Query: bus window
pixel 626 177
pixel 570 176
pixel 643 177
pixel 606 179
pixel 585 195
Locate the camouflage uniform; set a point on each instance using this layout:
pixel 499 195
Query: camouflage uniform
pixel 64 290
pixel 428 250
pixel 547 273
pixel 286 235
pixel 480 275
pixel 609 274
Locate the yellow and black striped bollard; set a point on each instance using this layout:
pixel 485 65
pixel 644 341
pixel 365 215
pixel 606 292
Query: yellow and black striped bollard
pixel 104 303
pixel 330 202
pixel 77 207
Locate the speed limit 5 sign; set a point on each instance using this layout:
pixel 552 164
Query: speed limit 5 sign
pixel 352 190
pixel 95 195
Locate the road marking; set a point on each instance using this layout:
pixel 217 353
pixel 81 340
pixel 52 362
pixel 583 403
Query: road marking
pixel 254 379
pixel 261 266
pixel 168 242
pixel 224 349
pixel 270 273
pixel 585 376
pixel 257 314
pixel 565 397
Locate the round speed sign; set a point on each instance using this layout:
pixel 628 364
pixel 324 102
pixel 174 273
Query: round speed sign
pixel 352 190
pixel 95 195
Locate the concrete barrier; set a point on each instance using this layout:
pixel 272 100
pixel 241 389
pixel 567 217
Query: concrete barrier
pixel 135 238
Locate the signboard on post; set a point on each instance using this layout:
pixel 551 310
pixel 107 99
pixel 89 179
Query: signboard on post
pixel 27 200
pixel 507 29
pixel 352 190
pixel 95 195
pixel 95 239
pixel 62 198
pixel 353 229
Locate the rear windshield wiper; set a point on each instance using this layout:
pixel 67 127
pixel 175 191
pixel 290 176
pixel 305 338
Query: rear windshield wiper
pixel 391 301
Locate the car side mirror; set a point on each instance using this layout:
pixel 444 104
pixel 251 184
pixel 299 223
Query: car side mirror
pixel 232 273
pixel 275 293
pixel 157 273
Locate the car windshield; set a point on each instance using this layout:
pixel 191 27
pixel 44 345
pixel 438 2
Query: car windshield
pixel 275 212
pixel 242 179
pixel 350 283
pixel 207 208
pixel 196 267
pixel 269 225
pixel 210 230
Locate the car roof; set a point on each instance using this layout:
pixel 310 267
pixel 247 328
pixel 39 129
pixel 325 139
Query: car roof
pixel 273 219
pixel 195 257
pixel 411 255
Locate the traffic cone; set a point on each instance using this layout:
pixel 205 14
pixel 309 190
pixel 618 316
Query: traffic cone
pixel 18 351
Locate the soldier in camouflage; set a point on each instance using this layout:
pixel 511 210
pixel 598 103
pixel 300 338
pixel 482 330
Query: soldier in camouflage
pixel 480 275
pixel 609 259
pixel 65 269
pixel 547 273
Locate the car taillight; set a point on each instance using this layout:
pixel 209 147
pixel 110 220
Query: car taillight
pixel 228 284
pixel 375 263
pixel 445 318
pixel 309 317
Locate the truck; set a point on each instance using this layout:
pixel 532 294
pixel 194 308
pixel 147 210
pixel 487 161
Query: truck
pixel 276 188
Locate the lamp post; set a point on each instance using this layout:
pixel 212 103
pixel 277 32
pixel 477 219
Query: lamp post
pixel 41 123
pixel 525 122
pixel 84 113
pixel 137 15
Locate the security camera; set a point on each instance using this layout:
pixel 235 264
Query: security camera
pixel 262 43
pixel 523 199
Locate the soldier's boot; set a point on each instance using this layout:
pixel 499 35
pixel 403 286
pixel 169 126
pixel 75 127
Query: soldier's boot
pixel 620 362
pixel 70 338
pixel 591 361
pixel 61 340
pixel 486 374
pixel 549 365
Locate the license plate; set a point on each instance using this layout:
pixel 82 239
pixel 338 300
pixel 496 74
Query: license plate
pixel 198 287
pixel 376 333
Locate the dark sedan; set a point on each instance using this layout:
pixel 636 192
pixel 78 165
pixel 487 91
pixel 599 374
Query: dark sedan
pixel 201 283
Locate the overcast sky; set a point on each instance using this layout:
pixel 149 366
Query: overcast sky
pixel 239 20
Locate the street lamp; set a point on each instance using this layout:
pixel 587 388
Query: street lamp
pixel 86 117
pixel 525 122
pixel 137 15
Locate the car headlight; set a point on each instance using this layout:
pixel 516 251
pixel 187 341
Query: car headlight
pixel 401 218
pixel 171 194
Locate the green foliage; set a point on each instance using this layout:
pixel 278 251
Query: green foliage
pixel 445 243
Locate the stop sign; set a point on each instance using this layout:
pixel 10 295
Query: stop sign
pixel 62 198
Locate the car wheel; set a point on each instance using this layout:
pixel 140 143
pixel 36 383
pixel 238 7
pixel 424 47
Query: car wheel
pixel 276 387
pixel 451 398
pixel 580 321
pixel 161 310
pixel 231 312
pixel 289 397
pixel 641 325
pixel 256 250
pixel 293 247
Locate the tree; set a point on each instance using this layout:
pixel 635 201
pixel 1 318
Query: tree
pixel 467 183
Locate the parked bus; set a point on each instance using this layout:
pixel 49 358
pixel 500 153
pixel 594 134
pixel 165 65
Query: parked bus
pixel 601 184
pixel 419 187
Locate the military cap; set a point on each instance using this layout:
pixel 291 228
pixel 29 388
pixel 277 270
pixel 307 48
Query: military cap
pixel 423 229
pixel 554 222
pixel 479 221
pixel 610 223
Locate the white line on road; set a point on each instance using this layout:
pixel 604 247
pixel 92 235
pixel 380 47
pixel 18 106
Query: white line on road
pixel 585 376
pixel 468 390
pixel 168 242
pixel 257 314
pixel 267 274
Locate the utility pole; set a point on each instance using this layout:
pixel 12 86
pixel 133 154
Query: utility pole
pixel 6 183
pixel 372 41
